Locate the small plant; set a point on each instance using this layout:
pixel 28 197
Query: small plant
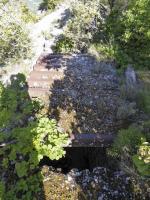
pixel 128 138
pixel 14 38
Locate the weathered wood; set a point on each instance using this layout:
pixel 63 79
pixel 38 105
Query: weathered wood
pixel 47 56
pixel 90 140
pixel 40 91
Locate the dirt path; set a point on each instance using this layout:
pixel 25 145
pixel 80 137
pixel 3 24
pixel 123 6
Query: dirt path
pixel 44 33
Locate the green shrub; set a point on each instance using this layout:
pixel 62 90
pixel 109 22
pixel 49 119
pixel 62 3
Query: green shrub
pixel 102 51
pixel 14 43
pixel 28 137
pixel 130 34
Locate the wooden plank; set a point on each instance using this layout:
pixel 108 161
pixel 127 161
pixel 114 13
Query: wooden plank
pixel 38 92
pixel 91 140
pixel 82 140
pixel 44 58
pixel 45 84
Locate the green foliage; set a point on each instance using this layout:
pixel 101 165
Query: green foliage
pixel 128 138
pixel 129 33
pixel 14 39
pixel 49 4
pixel 32 140
pixel 14 42
pixel 25 188
pixel 48 141
pixel 103 51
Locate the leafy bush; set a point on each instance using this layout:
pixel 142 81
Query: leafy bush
pixel 14 39
pixel 82 26
pixel 28 137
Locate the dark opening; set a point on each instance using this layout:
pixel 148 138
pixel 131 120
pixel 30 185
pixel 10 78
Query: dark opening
pixel 78 157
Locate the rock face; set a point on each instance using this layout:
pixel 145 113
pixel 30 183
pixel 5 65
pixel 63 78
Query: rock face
pixel 82 93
